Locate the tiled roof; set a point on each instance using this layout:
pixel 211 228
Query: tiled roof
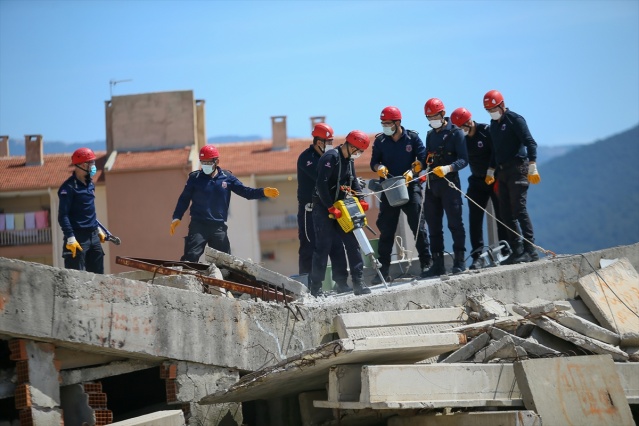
pixel 245 158
pixel 16 176
pixel 166 158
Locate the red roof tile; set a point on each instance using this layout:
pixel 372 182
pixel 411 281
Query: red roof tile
pixel 16 176
pixel 166 158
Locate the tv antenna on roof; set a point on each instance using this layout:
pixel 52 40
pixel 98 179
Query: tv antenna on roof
pixel 114 82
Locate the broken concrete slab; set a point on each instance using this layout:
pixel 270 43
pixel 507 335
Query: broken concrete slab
pixel 501 418
pixel 629 378
pixel 539 307
pixel 159 418
pixel 509 324
pixel 98 372
pixel 586 328
pixel 582 390
pixel 469 349
pixel 579 339
pixel 531 348
pixel 357 325
pixel 253 271
pixel 486 307
pixel 308 370
pixel 612 294
pixel 502 349
pixel 432 386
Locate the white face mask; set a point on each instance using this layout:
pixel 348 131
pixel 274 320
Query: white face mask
pixel 356 155
pixel 207 169
pixel 435 124
pixel 328 147
pixel 496 115
pixel 388 131
pixel 465 132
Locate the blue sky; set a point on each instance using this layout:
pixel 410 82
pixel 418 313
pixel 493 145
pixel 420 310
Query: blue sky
pixel 571 68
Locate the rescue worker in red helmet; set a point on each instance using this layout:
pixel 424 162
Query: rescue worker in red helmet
pixel 398 151
pixel 446 155
pixel 335 180
pixel 480 148
pixel 514 156
pixel 306 177
pixel 208 192
pixel 82 248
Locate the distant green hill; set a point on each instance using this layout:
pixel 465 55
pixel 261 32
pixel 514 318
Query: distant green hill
pixel 588 199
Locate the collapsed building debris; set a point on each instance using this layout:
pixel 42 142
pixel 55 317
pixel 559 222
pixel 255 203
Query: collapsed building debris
pixel 134 339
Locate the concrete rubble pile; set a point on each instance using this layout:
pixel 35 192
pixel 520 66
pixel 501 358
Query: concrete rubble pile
pixel 554 341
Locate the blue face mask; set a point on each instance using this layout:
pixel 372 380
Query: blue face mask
pixel 92 171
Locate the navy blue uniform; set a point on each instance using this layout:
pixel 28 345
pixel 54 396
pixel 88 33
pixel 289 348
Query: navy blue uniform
pixel 480 149
pixel 333 172
pixel 444 148
pixel 77 218
pixel 398 158
pixel 209 197
pixel 513 148
pixel 306 179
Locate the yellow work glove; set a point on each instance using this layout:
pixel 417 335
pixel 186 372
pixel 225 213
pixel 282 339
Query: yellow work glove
pixel 271 192
pixel 533 174
pixel 382 171
pixel 408 176
pixel 490 177
pixel 73 246
pixel 174 225
pixel 416 167
pixel 442 171
pixel 102 235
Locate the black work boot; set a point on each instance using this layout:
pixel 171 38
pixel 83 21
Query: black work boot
pixel 517 250
pixel 438 267
pixel 459 264
pixel 316 289
pixel 341 287
pixel 426 264
pixel 529 254
pixel 477 263
pixel 360 288
pixel 377 280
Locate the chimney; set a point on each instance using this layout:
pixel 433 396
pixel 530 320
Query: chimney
pixel 317 119
pixel 279 133
pixel 4 146
pixel 34 150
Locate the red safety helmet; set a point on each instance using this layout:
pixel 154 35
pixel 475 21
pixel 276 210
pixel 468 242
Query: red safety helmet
pixel 208 152
pixel 433 106
pixel 492 99
pixel 390 113
pixel 82 155
pixel 460 116
pixel 322 131
pixel 358 139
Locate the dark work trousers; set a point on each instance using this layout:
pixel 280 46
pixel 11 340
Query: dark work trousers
pixel 387 225
pixel 91 258
pixel 326 229
pixel 513 191
pixel 441 198
pixel 202 233
pixel 480 193
pixel 306 235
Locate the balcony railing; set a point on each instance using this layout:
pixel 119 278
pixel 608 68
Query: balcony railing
pixel 24 237
pixel 282 221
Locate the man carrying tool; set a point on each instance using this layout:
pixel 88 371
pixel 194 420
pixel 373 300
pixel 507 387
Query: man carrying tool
pixel 306 177
pixel 515 155
pixel 446 155
pixel 77 216
pixel 208 191
pixel 480 148
pixel 396 152
pixel 336 180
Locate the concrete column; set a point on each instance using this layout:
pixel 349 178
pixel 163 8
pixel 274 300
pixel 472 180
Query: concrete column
pixel 37 393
